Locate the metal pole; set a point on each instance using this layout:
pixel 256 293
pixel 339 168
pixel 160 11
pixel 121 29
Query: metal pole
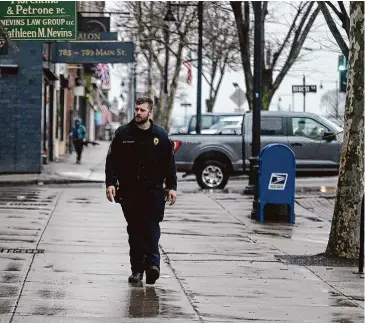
pixel 200 63
pixel 337 114
pixel 292 102
pixel 256 117
pixel 186 116
pixel 133 80
pixel 361 251
pixel 165 88
pixel 303 92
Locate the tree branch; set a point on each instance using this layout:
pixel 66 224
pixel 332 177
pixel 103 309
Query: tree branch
pixel 333 28
pixel 288 35
pixel 335 10
pixel 243 31
pixel 296 47
pixel 346 20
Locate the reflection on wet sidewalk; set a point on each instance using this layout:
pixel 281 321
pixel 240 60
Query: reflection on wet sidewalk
pixel 143 301
pixel 147 301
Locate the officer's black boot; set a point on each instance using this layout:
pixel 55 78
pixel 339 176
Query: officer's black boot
pixel 152 274
pixel 135 278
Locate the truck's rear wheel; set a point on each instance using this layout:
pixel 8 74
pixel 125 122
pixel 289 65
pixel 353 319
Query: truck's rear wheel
pixel 212 174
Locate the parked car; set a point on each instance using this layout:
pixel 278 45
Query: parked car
pixel 209 119
pixel 213 158
pixel 223 123
pixel 229 130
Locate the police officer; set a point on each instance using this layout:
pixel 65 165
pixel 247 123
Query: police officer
pixel 139 161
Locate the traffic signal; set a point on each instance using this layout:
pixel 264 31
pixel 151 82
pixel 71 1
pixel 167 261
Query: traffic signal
pixel 342 68
pixel 342 64
pixel 343 81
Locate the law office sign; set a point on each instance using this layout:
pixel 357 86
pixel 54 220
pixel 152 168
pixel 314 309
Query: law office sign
pixel 80 52
pixel 39 20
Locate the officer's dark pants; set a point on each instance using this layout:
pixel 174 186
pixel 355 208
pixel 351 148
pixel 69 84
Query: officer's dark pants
pixel 143 212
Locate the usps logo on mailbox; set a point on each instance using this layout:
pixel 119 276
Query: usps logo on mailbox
pixel 278 181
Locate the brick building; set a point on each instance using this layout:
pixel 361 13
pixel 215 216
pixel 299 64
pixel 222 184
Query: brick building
pixel 38 102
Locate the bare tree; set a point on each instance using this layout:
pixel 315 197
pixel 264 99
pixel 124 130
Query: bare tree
pixel 342 15
pixel 220 50
pixel 153 39
pixel 281 54
pixel 344 236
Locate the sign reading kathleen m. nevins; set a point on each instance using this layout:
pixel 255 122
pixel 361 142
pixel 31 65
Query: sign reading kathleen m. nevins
pixel 39 20
pixel 93 52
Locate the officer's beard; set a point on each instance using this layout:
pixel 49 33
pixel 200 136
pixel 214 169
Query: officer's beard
pixel 141 121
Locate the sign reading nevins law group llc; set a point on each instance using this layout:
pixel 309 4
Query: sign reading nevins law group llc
pixel 81 52
pixel 39 20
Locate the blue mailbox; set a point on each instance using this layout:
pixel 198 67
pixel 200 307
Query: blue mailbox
pixel 277 178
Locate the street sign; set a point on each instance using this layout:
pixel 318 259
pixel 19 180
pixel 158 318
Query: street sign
pixel 91 36
pixel 238 97
pixel 276 178
pixel 39 20
pixel 80 52
pixel 304 88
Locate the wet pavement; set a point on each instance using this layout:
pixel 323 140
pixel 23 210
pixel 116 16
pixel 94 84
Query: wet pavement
pixel 64 258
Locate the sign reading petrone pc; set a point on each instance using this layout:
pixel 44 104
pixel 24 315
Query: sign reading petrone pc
pixel 39 20
pixel 93 52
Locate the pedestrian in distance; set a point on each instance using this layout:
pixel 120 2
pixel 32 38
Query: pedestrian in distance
pixel 78 138
pixel 140 161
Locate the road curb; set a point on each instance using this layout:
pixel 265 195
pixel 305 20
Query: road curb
pixel 47 182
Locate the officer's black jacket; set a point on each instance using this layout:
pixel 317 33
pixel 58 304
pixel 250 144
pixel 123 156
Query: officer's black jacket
pixel 140 158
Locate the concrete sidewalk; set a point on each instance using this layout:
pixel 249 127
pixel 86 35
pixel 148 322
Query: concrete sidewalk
pixel 66 170
pixel 218 264
pixel 236 269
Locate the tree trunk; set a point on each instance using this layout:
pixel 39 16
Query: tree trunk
pixel 344 236
pixel 171 99
pixel 157 115
pixel 210 103
pixel 267 86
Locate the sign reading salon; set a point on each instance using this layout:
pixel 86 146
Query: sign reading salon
pixel 39 20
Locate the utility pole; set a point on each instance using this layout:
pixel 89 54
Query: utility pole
pixel 337 108
pixel 303 92
pixel 252 187
pixel 200 68
pixel 257 104
pixel 166 72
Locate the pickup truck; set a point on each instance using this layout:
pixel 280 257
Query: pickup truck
pixel 213 158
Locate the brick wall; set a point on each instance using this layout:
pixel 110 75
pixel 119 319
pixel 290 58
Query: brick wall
pixel 21 110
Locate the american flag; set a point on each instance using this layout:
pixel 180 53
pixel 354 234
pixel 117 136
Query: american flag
pixel 187 64
pixel 103 73
pixel 106 114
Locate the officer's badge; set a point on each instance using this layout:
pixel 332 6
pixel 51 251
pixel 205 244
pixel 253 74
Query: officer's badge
pixel 155 141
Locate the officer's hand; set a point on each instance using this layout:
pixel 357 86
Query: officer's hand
pixel 172 197
pixel 110 193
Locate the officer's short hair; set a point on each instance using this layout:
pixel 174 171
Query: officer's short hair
pixel 145 99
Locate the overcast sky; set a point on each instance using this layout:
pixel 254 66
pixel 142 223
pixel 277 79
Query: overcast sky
pixel 319 65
